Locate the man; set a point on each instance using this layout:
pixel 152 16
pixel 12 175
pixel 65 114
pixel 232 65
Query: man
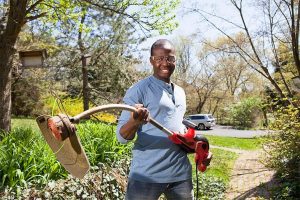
pixel 158 165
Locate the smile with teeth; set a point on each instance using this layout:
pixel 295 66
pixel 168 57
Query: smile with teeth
pixel 165 70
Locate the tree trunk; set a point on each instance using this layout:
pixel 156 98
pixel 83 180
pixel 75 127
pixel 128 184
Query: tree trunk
pixel 5 87
pixel 85 88
pixel 15 21
pixel 200 106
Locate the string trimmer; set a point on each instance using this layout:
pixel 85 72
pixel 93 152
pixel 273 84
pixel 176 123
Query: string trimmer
pixel 60 134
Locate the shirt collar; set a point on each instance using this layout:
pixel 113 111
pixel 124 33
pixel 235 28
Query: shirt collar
pixel 162 83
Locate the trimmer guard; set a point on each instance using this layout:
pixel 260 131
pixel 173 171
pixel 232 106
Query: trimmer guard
pixel 68 152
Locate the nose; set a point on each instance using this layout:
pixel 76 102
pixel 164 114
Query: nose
pixel 164 61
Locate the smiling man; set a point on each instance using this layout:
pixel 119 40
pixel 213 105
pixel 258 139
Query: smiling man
pixel 158 166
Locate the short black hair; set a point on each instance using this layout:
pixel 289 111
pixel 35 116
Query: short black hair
pixel 160 44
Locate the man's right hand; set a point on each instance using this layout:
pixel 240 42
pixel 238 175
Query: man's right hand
pixel 139 117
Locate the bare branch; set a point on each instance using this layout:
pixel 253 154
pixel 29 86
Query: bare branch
pixel 222 18
pixel 31 18
pixel 283 14
pixel 228 36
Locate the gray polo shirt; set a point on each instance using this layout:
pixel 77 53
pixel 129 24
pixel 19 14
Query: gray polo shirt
pixel 155 158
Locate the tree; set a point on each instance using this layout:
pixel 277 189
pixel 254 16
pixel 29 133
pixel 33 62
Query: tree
pixel 232 68
pixel 279 26
pixel 215 77
pixel 184 64
pixel 146 15
pixel 205 81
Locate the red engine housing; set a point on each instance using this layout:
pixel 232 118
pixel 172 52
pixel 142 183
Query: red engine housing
pixel 193 143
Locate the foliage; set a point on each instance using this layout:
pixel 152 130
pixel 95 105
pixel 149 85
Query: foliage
pixel 210 188
pixel 145 15
pixel 100 143
pixel 104 182
pixel 244 113
pixel 238 143
pixel 26 160
pixel 67 17
pixel 107 181
pixel 284 148
pixel 25 98
pixel 72 107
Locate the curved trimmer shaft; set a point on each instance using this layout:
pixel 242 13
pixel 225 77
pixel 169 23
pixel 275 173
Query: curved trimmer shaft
pixel 60 134
pixel 91 111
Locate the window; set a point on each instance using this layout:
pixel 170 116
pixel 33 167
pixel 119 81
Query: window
pixel 197 117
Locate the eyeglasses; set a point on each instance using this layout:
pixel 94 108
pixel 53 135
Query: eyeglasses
pixel 160 59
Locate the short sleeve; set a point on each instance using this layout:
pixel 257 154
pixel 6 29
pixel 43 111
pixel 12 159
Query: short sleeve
pixel 132 97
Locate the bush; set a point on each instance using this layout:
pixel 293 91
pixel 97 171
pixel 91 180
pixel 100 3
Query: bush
pixel 100 143
pixel 245 113
pixel 26 159
pixel 284 149
pixel 72 107
pixel 104 182
pixel 25 98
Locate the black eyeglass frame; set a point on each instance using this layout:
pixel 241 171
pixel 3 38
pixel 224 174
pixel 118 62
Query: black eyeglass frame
pixel 162 58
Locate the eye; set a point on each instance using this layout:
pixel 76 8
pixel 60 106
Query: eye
pixel 171 59
pixel 160 58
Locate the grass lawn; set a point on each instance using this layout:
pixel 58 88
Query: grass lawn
pixel 220 166
pixel 25 123
pixel 237 143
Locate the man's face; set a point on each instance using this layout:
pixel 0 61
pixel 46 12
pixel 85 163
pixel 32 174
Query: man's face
pixel 163 62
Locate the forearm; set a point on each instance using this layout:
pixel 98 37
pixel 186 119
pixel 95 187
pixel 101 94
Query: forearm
pixel 128 130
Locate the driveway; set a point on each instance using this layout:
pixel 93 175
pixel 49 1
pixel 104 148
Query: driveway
pixel 227 131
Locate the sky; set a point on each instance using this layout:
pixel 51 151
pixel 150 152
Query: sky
pixel 191 23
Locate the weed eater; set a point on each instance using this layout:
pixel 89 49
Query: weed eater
pixel 60 134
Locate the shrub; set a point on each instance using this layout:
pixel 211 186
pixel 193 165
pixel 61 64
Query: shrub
pixel 284 149
pixel 104 182
pixel 245 113
pixel 72 107
pixel 25 98
pixel 25 160
pixel 100 143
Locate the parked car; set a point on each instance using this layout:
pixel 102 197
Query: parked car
pixel 203 121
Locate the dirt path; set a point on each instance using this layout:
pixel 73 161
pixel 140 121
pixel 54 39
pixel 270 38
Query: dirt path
pixel 250 179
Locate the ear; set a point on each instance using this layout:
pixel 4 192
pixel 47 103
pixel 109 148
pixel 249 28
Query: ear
pixel 151 61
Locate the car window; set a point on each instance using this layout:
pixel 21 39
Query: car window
pixel 210 117
pixel 197 117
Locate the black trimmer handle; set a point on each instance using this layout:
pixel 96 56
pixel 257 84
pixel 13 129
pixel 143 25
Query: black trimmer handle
pixel 189 124
pixel 202 139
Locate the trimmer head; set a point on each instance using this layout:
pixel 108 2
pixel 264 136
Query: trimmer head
pixel 60 134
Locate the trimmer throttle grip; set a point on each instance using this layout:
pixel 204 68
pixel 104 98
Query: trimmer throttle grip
pixel 201 151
